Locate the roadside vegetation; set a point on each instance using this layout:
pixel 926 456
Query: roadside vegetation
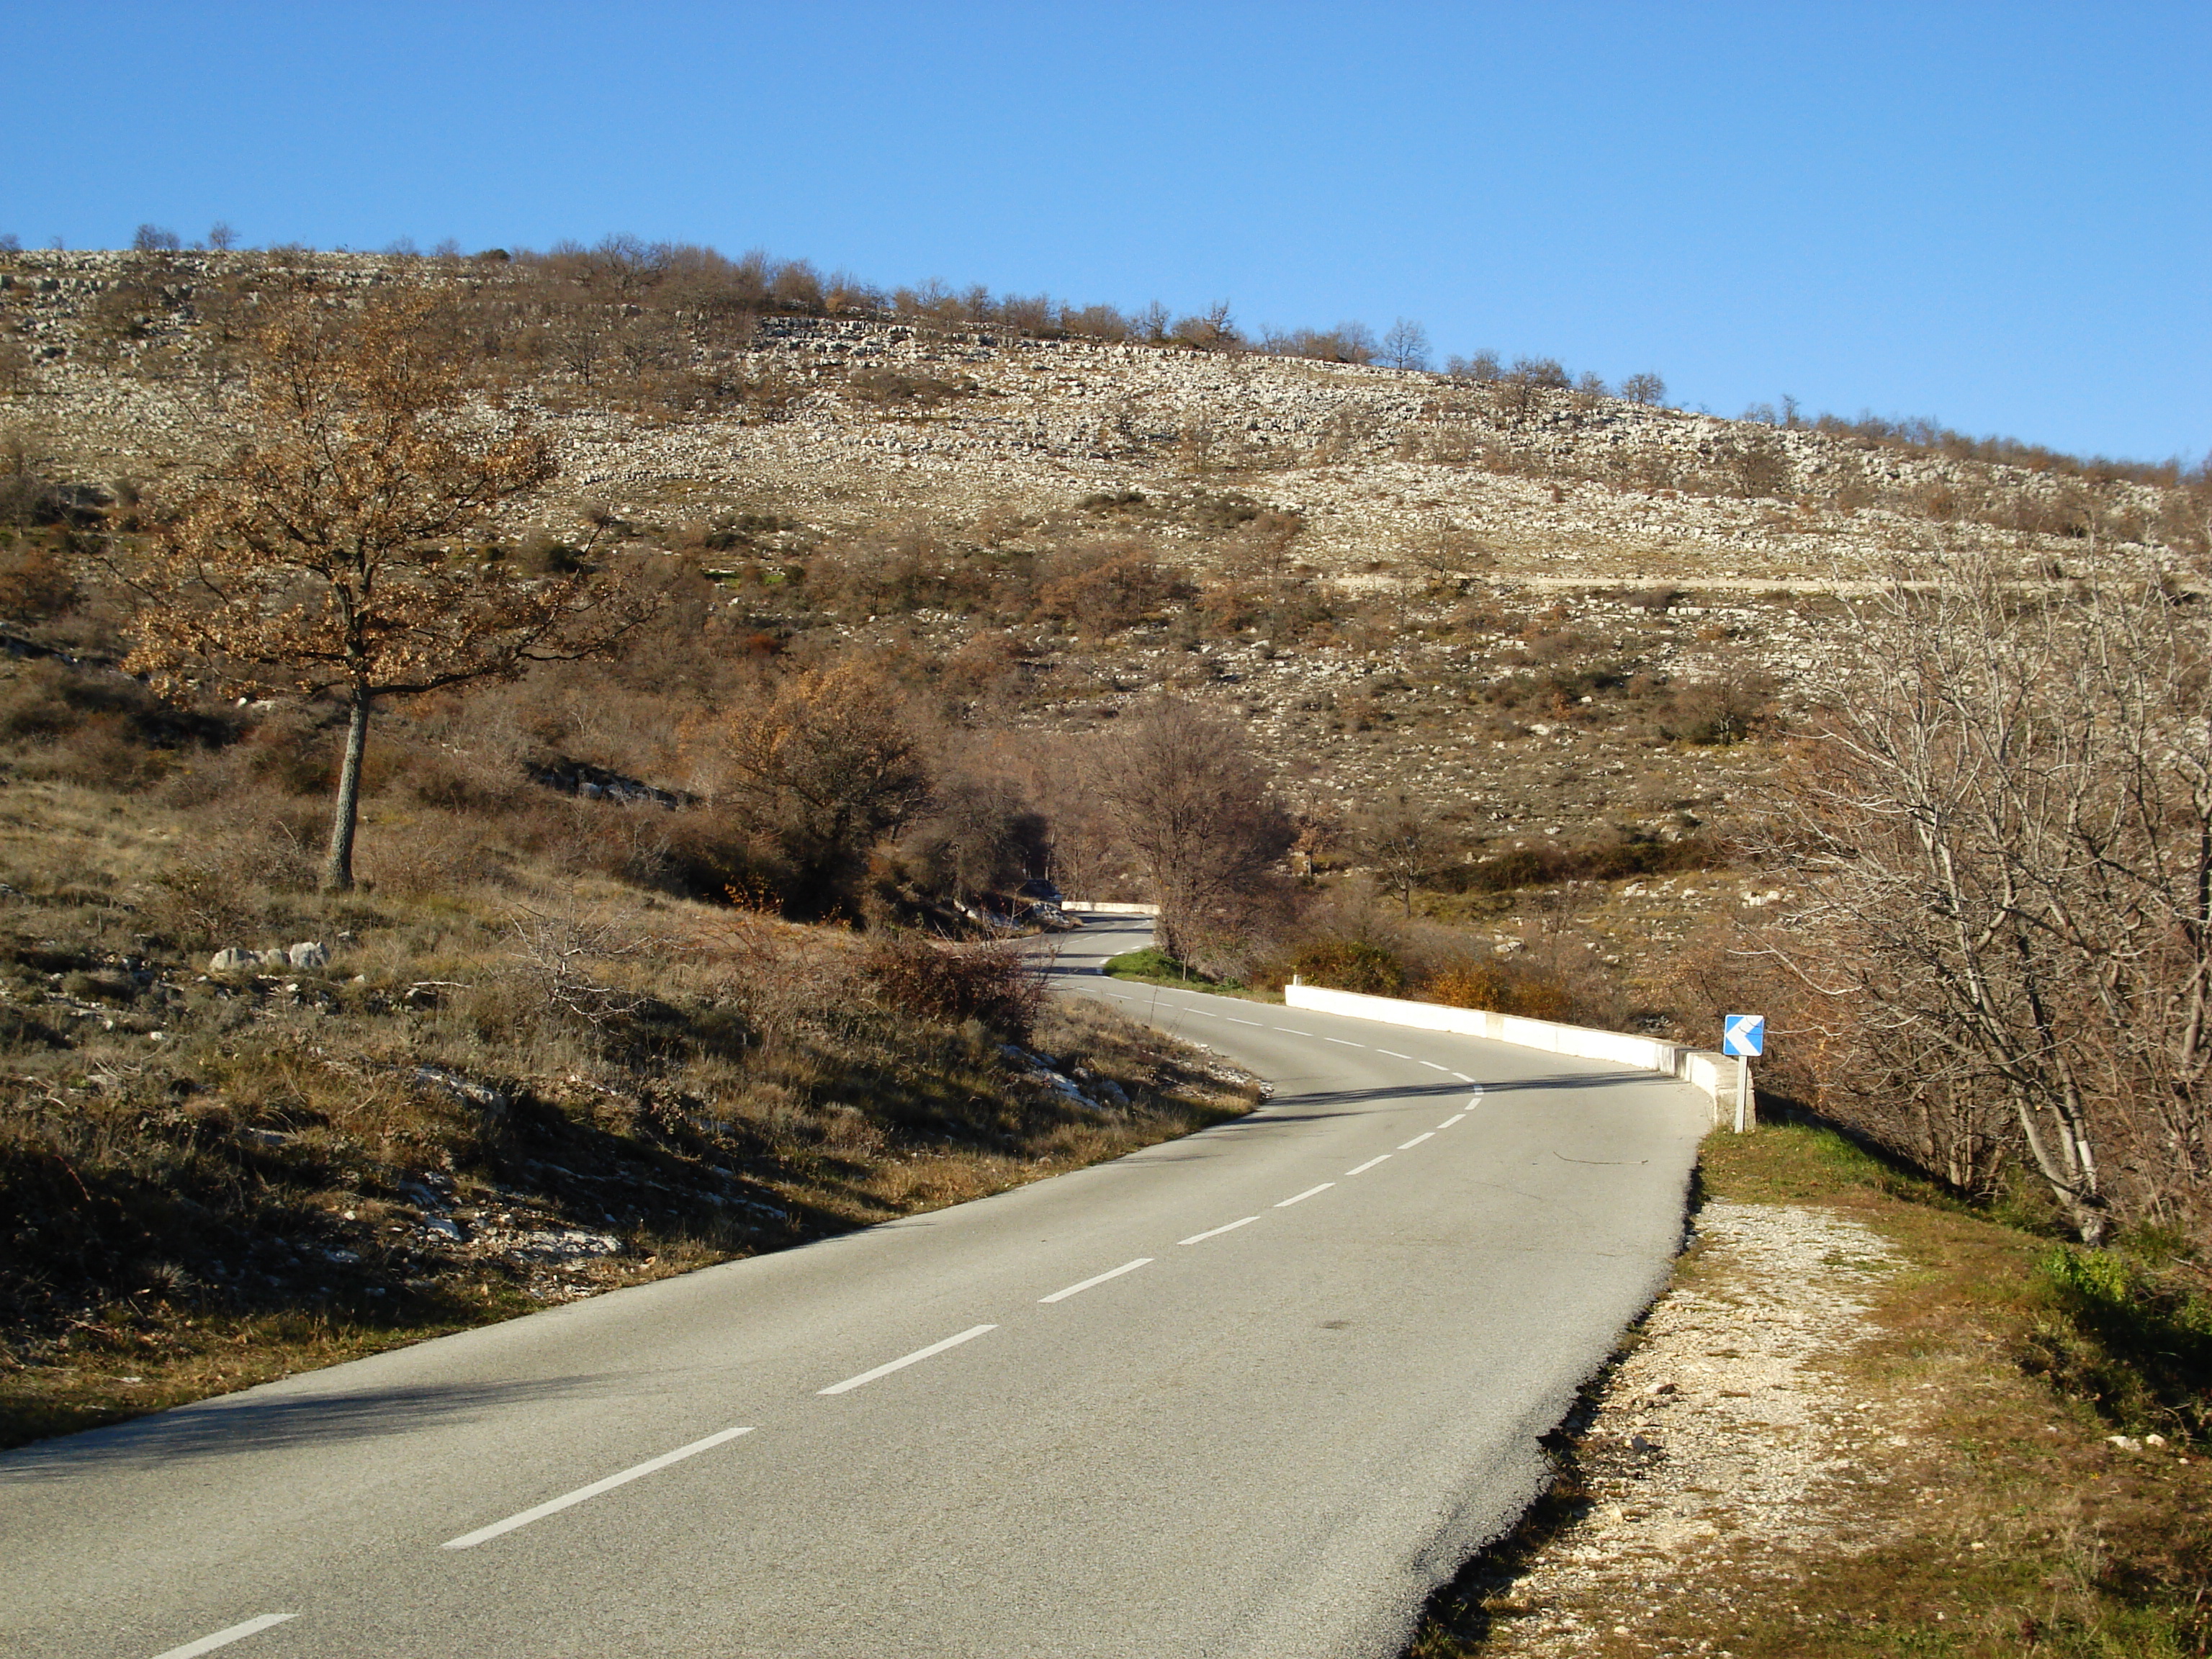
pixel 2024 1468
pixel 492 1094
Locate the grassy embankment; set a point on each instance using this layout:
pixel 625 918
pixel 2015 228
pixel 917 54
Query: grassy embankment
pixel 2008 1518
pixel 500 1091
pixel 1153 966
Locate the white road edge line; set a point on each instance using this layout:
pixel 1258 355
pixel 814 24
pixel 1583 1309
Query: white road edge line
pixel 1216 1232
pixel 1302 1197
pixel 569 1500
pixel 1425 1134
pixel 900 1365
pixel 1126 1267
pixel 224 1638
pixel 1453 1119
pixel 1369 1165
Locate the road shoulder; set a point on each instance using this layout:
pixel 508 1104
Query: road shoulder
pixel 1823 1439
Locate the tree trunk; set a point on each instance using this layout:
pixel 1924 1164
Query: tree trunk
pixel 337 864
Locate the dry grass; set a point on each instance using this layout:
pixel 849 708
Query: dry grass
pixel 500 1092
pixel 1992 1516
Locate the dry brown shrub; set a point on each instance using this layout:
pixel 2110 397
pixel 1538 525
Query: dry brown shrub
pixel 998 983
pixel 229 889
pixel 36 584
pixel 1503 988
pixel 1105 589
pixel 103 751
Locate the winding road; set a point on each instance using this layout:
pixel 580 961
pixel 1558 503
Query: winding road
pixel 1252 1393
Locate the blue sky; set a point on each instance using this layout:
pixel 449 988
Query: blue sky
pixel 1993 214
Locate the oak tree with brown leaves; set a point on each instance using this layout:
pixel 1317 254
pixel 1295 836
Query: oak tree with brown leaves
pixel 829 766
pixel 324 554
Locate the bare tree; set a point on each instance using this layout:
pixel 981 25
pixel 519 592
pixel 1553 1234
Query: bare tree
pixel 1406 345
pixel 1196 810
pixel 323 554
pixel 1645 388
pixel 1212 330
pixel 1401 841
pixel 221 237
pixel 2004 834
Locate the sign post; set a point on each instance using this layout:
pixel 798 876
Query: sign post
pixel 1744 1036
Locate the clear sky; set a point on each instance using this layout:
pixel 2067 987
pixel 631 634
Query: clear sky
pixel 1993 214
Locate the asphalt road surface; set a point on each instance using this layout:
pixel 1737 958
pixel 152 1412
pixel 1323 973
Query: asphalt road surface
pixel 1256 1392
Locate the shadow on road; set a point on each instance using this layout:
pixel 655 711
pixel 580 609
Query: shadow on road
pixel 252 1422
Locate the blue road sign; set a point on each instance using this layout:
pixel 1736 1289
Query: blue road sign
pixel 1743 1034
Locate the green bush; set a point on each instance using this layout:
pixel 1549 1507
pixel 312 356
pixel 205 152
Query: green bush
pixel 2132 1336
pixel 1344 964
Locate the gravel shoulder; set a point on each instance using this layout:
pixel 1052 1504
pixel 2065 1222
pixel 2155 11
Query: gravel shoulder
pixel 1833 1435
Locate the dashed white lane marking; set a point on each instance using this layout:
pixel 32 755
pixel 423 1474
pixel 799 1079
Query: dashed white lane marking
pixel 1341 1043
pixel 1201 1013
pixel 1216 1232
pixel 1425 1134
pixel 1433 1067
pixel 900 1365
pixel 1072 1290
pixel 1369 1165
pixel 1290 1030
pixel 1463 1077
pixel 569 1500
pixel 224 1638
pixel 1453 1119
pixel 1300 1197
pixel 1394 1054
pixel 1233 1020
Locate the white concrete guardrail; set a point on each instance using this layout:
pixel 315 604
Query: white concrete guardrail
pixel 1087 908
pixel 1716 1075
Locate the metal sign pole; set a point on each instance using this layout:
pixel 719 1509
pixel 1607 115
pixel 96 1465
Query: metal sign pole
pixel 1743 1036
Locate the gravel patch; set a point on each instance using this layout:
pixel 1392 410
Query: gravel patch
pixel 1722 1442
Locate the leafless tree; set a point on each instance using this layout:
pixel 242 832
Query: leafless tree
pixel 1212 330
pixel 1401 841
pixel 1196 810
pixel 2003 834
pixel 1645 388
pixel 1406 345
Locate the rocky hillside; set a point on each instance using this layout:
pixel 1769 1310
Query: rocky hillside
pixel 1507 596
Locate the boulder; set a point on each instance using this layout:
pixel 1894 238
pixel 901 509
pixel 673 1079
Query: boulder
pixel 310 954
pixel 492 1102
pixel 231 960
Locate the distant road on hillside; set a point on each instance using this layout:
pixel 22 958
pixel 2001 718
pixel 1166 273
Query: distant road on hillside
pixel 1253 1393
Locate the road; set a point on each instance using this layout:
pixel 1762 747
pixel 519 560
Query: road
pixel 1255 1392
